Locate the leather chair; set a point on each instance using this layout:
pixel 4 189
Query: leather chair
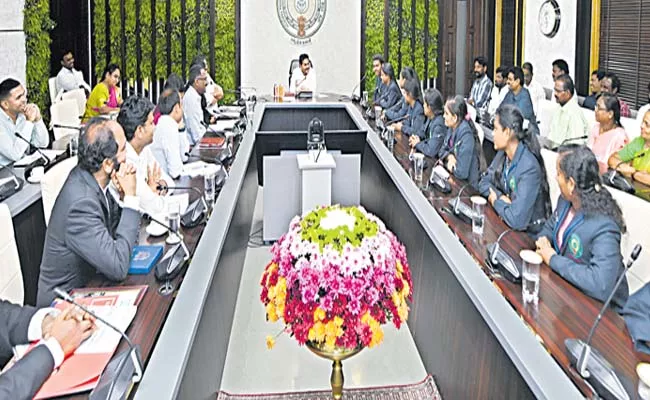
pixel 11 277
pixel 295 63
pixel 52 183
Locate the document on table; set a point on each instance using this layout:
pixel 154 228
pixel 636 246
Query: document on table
pixel 224 125
pixel 51 154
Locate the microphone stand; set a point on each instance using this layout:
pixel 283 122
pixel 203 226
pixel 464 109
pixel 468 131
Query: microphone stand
pixel 45 161
pixel 457 200
pixel 611 180
pixel 597 367
pixel 569 140
pixel 133 350
pixel 165 187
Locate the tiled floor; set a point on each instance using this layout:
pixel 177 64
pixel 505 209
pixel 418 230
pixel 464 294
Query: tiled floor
pixel 251 368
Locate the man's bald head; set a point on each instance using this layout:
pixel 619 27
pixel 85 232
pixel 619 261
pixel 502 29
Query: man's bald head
pixel 99 141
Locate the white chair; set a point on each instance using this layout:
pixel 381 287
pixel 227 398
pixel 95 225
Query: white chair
pixel 64 112
pixel 51 84
pixel 636 214
pixel 52 183
pixel 11 277
pixel 547 110
pixel 78 95
pixel 632 127
pixel 550 163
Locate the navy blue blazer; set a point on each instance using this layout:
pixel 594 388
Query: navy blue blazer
pixel 389 96
pixel 397 111
pixel 523 102
pixel 637 318
pixel 379 89
pixel 461 143
pixel 521 181
pixel 590 256
pixel 435 130
pixel 414 124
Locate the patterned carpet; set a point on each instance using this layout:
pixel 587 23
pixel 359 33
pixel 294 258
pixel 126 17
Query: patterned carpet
pixel 419 391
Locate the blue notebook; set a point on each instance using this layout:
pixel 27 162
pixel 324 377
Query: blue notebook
pixel 144 258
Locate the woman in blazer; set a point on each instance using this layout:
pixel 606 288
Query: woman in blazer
pixel 582 239
pixel 392 93
pixel 435 129
pixel 515 183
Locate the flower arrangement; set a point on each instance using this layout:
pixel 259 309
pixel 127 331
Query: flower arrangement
pixel 335 278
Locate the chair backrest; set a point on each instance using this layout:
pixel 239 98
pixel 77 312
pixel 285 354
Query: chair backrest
pixel 547 110
pixel 51 83
pixel 550 163
pixel 636 214
pixel 52 183
pixel 11 277
pixel 79 95
pixel 295 63
pixel 632 127
pixel 65 112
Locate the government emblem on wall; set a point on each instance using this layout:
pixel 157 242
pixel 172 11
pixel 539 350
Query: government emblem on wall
pixel 301 19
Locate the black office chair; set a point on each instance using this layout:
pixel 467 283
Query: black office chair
pixel 295 63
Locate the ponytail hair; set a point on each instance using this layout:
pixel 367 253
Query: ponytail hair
pixel 510 117
pixel 579 163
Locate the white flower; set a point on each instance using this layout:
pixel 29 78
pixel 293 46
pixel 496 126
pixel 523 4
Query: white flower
pixel 336 218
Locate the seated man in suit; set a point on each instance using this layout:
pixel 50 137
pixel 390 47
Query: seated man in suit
pixel 58 335
pixel 88 231
pixel 136 118
pixel 18 117
pixel 303 78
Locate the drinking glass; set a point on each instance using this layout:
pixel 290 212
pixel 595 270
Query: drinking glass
pixel 209 188
pixel 390 138
pixel 478 219
pixel 364 98
pixel 378 121
pixel 73 145
pixel 530 264
pixel 418 166
pixel 174 221
pixel 250 110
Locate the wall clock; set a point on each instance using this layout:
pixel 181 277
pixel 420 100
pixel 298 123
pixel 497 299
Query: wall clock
pixel 549 18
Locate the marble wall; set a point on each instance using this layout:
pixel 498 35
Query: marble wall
pixel 12 40
pixel 540 50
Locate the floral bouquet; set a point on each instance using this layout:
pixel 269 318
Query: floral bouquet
pixel 335 278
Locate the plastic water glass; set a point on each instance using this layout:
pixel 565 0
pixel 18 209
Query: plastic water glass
pixel 390 138
pixel 174 221
pixel 209 188
pixel 73 145
pixel 530 265
pixel 418 166
pixel 364 98
pixel 643 371
pixel 478 219
pixel 250 110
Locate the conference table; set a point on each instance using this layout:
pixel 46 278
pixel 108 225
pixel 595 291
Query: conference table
pixel 563 311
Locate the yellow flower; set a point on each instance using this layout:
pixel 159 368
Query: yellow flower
pixel 338 321
pixel 377 337
pixel 330 342
pixel 273 292
pixel 319 314
pixel 317 332
pixel 332 330
pixel 397 299
pixel 270 342
pixel 407 288
pixel 270 312
pixel 280 310
pixel 365 317
pixel 282 284
pixel 403 312
pixel 400 268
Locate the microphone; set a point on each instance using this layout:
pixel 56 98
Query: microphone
pixel 354 97
pixel 400 119
pixel 59 126
pixel 208 128
pixel 171 231
pixel 499 259
pixel 112 379
pixel 196 211
pixel 440 179
pixel 7 190
pixel 597 369
pixel 44 161
pixel 459 208
pixel 457 199
pixel 569 140
pixel 614 179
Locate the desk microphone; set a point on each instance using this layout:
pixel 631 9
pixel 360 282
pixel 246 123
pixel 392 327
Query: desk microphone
pixel 459 208
pixel 44 161
pixel 59 126
pixel 196 211
pixel 8 190
pixel 597 369
pixel 400 119
pixel 569 140
pixel 457 199
pixel 171 231
pixel 354 97
pixel 208 128
pixel 614 179
pixel 115 381
pixel 502 261
pixel 440 179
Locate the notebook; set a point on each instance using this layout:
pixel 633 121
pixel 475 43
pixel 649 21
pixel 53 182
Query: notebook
pixel 144 258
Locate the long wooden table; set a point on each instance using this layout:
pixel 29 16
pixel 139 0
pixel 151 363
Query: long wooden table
pixel 563 311
pixel 154 307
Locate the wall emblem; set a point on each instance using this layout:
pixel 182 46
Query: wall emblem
pixel 301 19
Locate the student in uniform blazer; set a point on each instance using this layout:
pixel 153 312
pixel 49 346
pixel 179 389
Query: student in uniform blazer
pixel 460 151
pixel 400 109
pixel 515 183
pixel 581 241
pixel 637 318
pixel 414 123
pixel 435 128
pixel 391 93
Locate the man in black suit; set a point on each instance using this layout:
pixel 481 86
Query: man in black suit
pixel 58 337
pixel 88 232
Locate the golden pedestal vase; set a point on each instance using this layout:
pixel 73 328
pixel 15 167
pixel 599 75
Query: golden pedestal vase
pixel 336 356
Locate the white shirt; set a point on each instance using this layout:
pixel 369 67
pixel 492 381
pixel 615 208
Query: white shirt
pixel 496 98
pixel 301 83
pixel 13 149
pixel 150 202
pixel 193 114
pixel 537 96
pixel 167 147
pixel 70 79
